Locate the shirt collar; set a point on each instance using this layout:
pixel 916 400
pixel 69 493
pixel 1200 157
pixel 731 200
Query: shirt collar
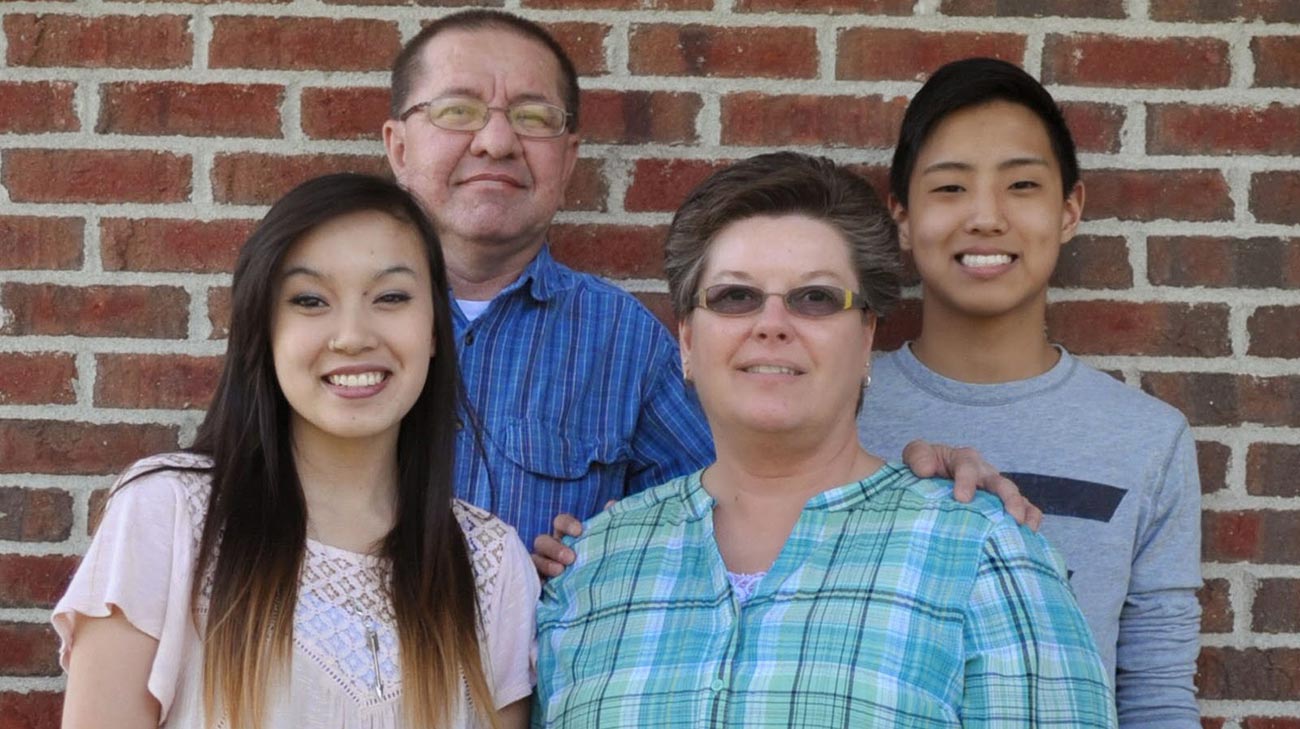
pixel 544 278
pixel 849 496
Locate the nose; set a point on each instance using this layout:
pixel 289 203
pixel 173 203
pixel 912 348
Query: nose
pixel 353 333
pixel 497 139
pixel 773 320
pixel 986 214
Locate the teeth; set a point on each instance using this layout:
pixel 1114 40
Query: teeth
pixel 974 260
pixel 365 379
pixel 770 370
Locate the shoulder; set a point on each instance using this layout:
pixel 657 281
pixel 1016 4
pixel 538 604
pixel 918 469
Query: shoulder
pixel 1105 393
pixel 590 291
pixel 166 481
pixel 492 543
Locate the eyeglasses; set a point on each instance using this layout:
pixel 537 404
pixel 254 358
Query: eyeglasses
pixel 466 114
pixel 807 301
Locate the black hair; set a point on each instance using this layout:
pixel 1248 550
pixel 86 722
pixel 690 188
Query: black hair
pixel 972 82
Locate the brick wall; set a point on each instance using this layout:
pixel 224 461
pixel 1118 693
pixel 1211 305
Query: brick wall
pixel 139 141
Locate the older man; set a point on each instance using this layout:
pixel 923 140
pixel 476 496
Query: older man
pixel 577 388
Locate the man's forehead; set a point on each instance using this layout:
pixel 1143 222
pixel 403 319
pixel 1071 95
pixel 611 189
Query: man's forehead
pixel 459 56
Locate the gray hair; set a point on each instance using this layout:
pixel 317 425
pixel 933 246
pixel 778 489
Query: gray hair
pixel 785 183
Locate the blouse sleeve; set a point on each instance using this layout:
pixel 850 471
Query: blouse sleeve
pixel 510 639
pixel 141 561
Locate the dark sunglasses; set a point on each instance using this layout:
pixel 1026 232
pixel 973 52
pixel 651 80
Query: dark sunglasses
pixel 807 301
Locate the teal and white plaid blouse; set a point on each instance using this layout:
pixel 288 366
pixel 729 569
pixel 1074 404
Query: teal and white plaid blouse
pixel 891 605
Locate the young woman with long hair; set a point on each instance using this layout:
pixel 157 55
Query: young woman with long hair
pixel 305 562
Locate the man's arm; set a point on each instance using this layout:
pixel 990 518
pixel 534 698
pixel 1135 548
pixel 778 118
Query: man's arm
pixel 1159 625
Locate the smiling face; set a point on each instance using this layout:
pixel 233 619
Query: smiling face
pixel 490 187
pixel 986 216
pixel 772 371
pixel 352 327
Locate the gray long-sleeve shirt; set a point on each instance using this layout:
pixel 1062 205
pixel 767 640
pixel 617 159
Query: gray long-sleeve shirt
pixel 1115 473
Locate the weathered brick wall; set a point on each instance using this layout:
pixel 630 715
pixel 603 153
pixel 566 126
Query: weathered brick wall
pixel 140 140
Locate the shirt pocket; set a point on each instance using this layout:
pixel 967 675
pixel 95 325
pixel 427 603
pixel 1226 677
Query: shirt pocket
pixel 549 450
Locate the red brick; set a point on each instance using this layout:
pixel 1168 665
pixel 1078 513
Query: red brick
pixel 1259 674
pixel 1212 722
pixel 659 305
pixel 111 41
pixel 1277 60
pixel 1218 398
pixel 756 119
pixel 1271 722
pixel 38 106
pixel 166 381
pixel 662 184
pixel 1194 129
pixel 701 50
pixel 31 243
pixel 31 710
pixel 620 4
pixel 1150 328
pixel 1103 60
pixel 584 43
pixel 857 7
pixel 588 189
pixel 1275 607
pixel 56 446
pixel 301 44
pixel 876 175
pixel 166 244
pixel 349 113
pixel 1213 11
pixel 1216 607
pixel 639 117
pixel 1094 262
pixel 1273 196
pixel 251 178
pixel 28 649
pixel 1212 463
pixel 1158 194
pixel 1095 127
pixel 1271 470
pixel 96 176
pixel 873 54
pixel 94 311
pixel 32 515
pixel 617 251
pixel 34 581
pixel 1274 332
pixel 192 110
pixel 1224 262
pixel 1261 537
pixel 219 312
pixel 1035 8
pixel 32 378
pixel 901 325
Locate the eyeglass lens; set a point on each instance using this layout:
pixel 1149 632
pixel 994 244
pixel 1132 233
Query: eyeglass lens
pixel 529 118
pixel 738 299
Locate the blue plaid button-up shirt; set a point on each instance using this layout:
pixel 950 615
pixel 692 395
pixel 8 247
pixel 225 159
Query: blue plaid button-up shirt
pixel 890 605
pixel 578 389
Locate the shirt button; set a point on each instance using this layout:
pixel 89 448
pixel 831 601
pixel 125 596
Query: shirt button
pixel 469 338
pixel 717 685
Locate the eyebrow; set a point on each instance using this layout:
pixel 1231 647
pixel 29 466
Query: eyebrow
pixel 802 277
pixel 954 166
pixel 474 94
pixel 313 273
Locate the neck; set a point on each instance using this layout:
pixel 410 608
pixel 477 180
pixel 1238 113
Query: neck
pixel 479 270
pixel 763 468
pixel 985 350
pixel 350 486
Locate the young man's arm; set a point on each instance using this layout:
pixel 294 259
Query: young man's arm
pixel 1159 626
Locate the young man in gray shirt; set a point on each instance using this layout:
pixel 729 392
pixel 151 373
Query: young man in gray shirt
pixel 985 189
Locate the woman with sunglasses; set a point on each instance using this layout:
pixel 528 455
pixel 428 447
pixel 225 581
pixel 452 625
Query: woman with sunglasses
pixel 304 564
pixel 800 581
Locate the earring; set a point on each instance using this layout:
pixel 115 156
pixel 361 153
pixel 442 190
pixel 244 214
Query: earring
pixel 866 379
pixel 686 371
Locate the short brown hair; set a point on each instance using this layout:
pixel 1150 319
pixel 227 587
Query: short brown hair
pixel 407 66
pixel 785 183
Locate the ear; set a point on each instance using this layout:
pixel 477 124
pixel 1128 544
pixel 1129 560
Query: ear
pixel 570 157
pixel 684 335
pixel 899 212
pixel 1072 213
pixel 395 146
pixel 869 333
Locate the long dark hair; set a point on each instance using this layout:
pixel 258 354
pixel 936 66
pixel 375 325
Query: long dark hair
pixel 255 530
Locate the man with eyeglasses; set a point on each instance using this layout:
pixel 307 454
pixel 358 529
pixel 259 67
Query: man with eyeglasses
pixel 576 387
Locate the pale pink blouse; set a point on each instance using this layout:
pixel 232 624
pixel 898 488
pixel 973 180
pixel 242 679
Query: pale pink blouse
pixel 142 560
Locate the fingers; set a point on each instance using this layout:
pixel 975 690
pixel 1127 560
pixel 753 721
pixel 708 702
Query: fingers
pixel 924 458
pixel 550 556
pixel 1035 518
pixel 566 525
